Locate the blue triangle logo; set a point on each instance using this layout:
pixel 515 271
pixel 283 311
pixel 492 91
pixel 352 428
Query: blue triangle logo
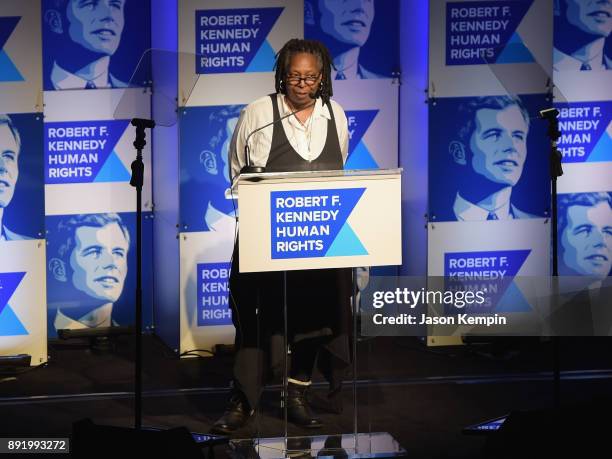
pixel 263 60
pixel 360 158
pixel 603 149
pixel 113 170
pixel 515 52
pixel 8 71
pixel 513 301
pixel 346 244
pixel 10 325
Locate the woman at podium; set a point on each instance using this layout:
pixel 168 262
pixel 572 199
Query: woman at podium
pixel 298 128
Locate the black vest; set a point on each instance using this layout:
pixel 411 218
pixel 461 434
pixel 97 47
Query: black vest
pixel 283 158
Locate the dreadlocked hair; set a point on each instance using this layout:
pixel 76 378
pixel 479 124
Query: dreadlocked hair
pixel 317 49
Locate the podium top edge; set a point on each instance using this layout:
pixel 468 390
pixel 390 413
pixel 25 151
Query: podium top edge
pixel 330 173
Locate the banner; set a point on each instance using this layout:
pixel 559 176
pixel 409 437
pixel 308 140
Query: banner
pixel 488 162
pixel 585 234
pixel 232 44
pixel 88 153
pixel 84 152
pixel 372 122
pixel 586 131
pixel 93 45
pixel 235 40
pixel 20 57
pixel 205 316
pixel 363 39
pixel 466 38
pixel 205 136
pixel 23 304
pixel 485 30
pixel 91 270
pixel 21 181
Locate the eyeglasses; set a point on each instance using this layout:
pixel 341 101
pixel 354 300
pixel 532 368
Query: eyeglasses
pixel 308 80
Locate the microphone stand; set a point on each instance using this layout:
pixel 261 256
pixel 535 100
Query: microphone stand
pixel 137 181
pixel 556 170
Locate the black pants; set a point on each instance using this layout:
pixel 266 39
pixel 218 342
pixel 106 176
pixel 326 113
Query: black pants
pixel 257 301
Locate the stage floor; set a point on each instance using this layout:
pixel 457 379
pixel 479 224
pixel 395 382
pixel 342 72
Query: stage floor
pixel 422 397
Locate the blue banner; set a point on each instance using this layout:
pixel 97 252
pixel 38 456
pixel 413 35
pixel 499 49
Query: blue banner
pixel 585 136
pixel 234 40
pixel 92 45
pixel 8 70
pixel 213 294
pixel 91 270
pixel 363 37
pixel 10 325
pixel 582 39
pixel 478 33
pixel 84 152
pixel 585 234
pixel 486 160
pixel 313 223
pixel 22 198
pixel 490 271
pixel 204 175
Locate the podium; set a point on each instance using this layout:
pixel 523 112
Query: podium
pixel 319 220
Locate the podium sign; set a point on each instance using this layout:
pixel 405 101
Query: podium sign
pixel 322 219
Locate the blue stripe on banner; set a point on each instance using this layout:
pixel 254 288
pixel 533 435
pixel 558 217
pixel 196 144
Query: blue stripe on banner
pixel 8 71
pixel 346 244
pixel 113 170
pixel 10 325
pixel 263 60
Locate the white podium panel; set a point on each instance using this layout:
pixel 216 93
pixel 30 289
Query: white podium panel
pixel 314 220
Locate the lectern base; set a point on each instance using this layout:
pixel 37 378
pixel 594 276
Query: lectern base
pixel 377 444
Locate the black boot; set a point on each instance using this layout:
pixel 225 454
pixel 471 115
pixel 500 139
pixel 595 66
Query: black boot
pixel 298 411
pixel 236 415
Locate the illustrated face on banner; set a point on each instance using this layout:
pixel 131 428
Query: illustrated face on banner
pixel 586 233
pixel 590 16
pixel 499 144
pixel 85 46
pixel 206 134
pixel 480 166
pixel 347 21
pixel 99 261
pixel 96 25
pixel 92 255
pixel 9 157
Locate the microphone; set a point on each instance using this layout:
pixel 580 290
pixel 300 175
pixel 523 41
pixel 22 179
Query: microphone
pixel 249 169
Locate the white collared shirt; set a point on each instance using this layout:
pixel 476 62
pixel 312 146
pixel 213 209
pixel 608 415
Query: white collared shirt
pixel 466 211
pixel 307 140
pixel 99 317
pixel 63 79
pixel 564 62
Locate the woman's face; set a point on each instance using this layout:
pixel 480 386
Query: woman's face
pixel 302 79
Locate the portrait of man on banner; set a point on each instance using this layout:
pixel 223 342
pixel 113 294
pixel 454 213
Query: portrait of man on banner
pixel 582 35
pixel 347 29
pixel 88 267
pixel 10 146
pixel 479 158
pixel 21 191
pixel 205 176
pixel 87 44
pixel 585 234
